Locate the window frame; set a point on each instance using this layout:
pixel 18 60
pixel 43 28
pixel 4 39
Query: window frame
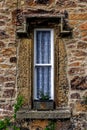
pixel 51 64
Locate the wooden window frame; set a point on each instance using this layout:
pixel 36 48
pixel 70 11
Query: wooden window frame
pixel 52 61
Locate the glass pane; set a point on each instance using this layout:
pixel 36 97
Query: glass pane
pixel 43 47
pixel 43 80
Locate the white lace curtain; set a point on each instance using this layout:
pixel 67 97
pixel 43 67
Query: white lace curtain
pixel 43 61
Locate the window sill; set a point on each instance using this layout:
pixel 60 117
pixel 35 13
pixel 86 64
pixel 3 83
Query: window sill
pixel 61 113
pixel 43 105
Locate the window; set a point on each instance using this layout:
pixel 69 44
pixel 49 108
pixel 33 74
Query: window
pixel 43 63
pixel 42 1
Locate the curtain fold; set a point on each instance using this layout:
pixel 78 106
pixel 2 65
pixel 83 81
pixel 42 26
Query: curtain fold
pixel 43 55
pixel 43 80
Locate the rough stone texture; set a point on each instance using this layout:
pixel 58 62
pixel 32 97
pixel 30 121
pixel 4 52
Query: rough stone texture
pixel 45 114
pixel 41 124
pixel 75 50
pixel 81 106
pixel 25 69
pixel 79 121
pixel 79 83
pixel 82 45
pixel 43 105
pixel 78 16
pixel 8 93
pixel 62 83
pixel 7 69
pixel 66 3
pixel 75 96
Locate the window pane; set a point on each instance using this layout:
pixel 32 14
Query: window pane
pixel 43 47
pixel 43 81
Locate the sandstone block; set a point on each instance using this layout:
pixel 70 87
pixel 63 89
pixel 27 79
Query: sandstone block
pixel 2 59
pixel 2 44
pixel 83 27
pixel 1 79
pixel 8 93
pixel 3 35
pixel 73 23
pixel 83 33
pixel 11 44
pixel 75 96
pixel 83 1
pixel 2 23
pixel 79 53
pixel 79 83
pixel 76 16
pixel 71 46
pixel 80 106
pixel 84 39
pixel 65 125
pixel 74 71
pixel 1 71
pixel 71 42
pixel 82 45
pixel 10 72
pixel 9 78
pixel 74 59
pixel 85 94
pixel 12 85
pixel 4 66
pixel 75 64
pixel 67 3
pixel 8 51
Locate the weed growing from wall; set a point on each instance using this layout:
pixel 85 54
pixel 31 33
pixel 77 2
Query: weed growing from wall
pixel 50 126
pixel 6 123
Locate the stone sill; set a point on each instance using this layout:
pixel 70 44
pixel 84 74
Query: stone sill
pixel 51 114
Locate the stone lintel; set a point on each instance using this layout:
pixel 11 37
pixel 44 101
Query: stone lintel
pixel 34 114
pixel 22 31
pixel 44 16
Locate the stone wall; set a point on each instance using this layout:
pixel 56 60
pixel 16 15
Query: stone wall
pixel 76 49
pixel 8 59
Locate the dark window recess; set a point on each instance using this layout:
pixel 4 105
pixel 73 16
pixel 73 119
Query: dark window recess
pixel 41 1
pixel 13 59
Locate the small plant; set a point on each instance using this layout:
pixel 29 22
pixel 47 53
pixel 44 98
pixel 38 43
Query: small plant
pixel 4 124
pixel 44 96
pixel 18 105
pixel 50 126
